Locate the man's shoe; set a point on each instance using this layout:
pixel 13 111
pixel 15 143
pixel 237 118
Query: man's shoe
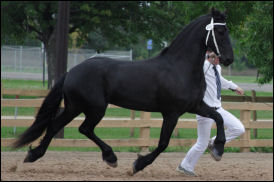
pixel 184 171
pixel 213 152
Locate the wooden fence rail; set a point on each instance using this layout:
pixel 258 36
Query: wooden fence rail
pixel 145 122
pixel 43 93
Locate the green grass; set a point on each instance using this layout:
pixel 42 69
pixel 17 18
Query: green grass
pixel 247 93
pixel 115 112
pixel 123 133
pixel 23 84
pixel 242 79
pixel 11 83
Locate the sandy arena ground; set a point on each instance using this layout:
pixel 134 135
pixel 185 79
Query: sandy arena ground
pixel 67 166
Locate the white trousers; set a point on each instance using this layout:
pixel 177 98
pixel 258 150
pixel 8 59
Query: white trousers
pixel 234 128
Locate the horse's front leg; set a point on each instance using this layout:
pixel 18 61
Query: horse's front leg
pixel 206 111
pixel 169 123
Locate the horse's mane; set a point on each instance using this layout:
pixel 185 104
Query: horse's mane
pixel 189 26
pixel 183 32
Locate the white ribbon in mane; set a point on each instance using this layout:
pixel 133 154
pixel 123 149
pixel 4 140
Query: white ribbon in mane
pixel 210 28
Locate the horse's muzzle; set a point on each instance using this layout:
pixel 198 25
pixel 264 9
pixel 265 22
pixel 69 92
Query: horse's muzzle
pixel 225 61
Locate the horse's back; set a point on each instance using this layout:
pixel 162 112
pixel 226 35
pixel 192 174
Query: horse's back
pixel 94 69
pixel 123 83
pixel 84 82
pixel 149 85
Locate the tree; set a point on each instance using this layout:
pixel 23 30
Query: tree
pixel 120 22
pixel 251 24
pixel 124 23
pixel 21 18
pixel 257 39
pixel 62 45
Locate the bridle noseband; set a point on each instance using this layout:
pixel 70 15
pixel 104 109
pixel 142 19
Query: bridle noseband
pixel 210 28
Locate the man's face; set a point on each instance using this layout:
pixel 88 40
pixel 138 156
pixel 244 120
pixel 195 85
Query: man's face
pixel 216 60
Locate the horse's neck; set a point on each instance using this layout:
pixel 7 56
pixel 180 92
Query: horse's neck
pixel 188 53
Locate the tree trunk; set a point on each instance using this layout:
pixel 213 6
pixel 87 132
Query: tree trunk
pixel 57 59
pixel 62 45
pixel 57 49
pixel 50 47
pixel 62 39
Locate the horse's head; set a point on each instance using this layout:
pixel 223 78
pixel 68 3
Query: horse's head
pixel 217 38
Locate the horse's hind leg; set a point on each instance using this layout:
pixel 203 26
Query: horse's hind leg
pixel 62 119
pixel 87 128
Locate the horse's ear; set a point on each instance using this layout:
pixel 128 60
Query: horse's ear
pixel 215 12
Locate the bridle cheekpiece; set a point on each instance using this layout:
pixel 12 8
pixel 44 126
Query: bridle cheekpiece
pixel 210 28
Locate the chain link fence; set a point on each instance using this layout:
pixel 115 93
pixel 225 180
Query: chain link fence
pixel 27 60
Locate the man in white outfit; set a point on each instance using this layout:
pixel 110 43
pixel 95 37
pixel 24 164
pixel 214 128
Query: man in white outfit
pixel 235 128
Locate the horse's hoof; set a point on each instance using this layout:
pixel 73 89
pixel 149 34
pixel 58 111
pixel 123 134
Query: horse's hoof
pixel 214 153
pixel 32 156
pixel 29 158
pixel 114 165
pixel 218 149
pixel 132 171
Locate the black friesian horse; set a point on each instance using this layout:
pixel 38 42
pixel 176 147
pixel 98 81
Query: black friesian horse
pixel 171 83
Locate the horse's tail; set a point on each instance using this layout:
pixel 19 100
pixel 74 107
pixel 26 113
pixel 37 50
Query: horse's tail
pixel 46 114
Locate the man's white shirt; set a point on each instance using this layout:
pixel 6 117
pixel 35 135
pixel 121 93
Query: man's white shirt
pixel 210 97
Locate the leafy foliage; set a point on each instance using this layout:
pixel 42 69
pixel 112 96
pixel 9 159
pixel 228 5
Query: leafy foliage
pixel 257 39
pixel 107 24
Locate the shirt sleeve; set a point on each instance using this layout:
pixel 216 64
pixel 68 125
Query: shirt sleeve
pixel 225 83
pixel 206 66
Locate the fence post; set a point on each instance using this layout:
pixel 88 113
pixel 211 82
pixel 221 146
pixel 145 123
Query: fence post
pixel 15 114
pixel 145 131
pixel 132 118
pixel 15 57
pixel 254 113
pixel 20 58
pixel 176 132
pixel 2 89
pixel 245 118
pixel 36 110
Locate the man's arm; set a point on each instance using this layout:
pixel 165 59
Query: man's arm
pixel 238 90
pixel 230 85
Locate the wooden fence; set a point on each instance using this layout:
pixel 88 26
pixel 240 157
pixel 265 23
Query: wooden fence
pixel 145 122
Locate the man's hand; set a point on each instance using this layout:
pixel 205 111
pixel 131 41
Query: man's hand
pixel 239 91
